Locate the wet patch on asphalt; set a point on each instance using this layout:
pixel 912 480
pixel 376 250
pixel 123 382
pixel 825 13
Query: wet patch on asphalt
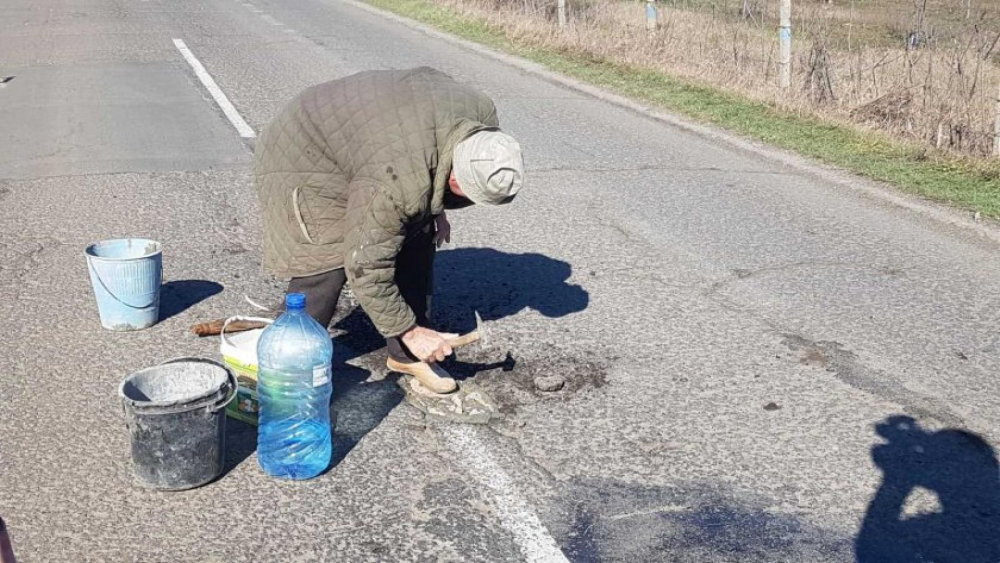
pixel 614 521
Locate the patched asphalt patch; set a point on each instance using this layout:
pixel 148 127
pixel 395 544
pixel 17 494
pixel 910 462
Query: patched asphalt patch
pixel 845 365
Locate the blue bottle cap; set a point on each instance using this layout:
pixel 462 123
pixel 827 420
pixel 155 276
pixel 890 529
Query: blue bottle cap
pixel 295 301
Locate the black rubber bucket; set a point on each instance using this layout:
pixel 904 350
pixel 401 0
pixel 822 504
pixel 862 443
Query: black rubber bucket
pixel 175 413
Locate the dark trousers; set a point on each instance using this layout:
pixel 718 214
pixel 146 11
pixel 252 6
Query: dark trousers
pixel 414 277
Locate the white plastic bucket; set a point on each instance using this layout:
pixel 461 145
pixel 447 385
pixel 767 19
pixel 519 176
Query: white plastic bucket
pixel 239 353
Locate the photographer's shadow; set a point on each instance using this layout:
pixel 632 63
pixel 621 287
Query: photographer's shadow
pixel 961 469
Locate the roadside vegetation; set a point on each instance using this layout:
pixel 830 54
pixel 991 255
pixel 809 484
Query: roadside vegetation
pixel 902 92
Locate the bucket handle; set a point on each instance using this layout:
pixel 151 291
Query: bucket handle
pixel 231 378
pixel 225 325
pixel 97 276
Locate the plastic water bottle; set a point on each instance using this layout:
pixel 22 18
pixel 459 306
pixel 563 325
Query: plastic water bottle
pixel 294 356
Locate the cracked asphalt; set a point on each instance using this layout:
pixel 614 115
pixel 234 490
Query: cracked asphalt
pixel 760 364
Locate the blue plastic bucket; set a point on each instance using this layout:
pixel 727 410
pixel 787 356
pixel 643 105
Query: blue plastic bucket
pixel 126 275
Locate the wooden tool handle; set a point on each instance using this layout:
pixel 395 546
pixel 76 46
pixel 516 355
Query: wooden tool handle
pixel 214 328
pixel 465 339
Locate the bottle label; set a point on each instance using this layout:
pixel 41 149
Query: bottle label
pixel 321 375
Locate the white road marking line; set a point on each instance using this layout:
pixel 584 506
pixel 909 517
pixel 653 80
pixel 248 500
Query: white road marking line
pixel 270 20
pixel 290 30
pixel 513 511
pixel 220 98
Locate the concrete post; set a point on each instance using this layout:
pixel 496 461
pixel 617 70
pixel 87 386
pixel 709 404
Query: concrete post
pixel 562 13
pixel 651 15
pixel 785 36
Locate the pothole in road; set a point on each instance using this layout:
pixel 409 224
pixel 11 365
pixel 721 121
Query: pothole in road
pixel 511 377
pixel 513 380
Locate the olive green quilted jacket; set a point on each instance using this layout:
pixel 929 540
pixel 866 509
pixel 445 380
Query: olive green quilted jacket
pixel 351 166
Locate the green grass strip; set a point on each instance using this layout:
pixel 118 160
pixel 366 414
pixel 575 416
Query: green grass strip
pixel 965 183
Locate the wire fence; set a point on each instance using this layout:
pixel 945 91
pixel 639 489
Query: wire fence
pixel 920 70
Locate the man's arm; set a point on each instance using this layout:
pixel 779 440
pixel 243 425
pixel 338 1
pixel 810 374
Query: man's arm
pixel 376 230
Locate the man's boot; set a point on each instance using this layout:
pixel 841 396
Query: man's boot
pixel 431 376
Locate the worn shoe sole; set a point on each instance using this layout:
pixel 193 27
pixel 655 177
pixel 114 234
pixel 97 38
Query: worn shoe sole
pixel 431 376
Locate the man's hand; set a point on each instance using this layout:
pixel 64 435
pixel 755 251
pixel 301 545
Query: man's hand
pixel 442 230
pixel 426 344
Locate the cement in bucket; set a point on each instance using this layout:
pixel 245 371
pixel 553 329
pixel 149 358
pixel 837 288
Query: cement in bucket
pixel 126 276
pixel 175 413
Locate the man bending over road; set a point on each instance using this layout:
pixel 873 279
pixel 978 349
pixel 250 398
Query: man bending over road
pixel 354 177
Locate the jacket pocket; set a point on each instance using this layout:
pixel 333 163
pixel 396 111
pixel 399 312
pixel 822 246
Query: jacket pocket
pixel 318 214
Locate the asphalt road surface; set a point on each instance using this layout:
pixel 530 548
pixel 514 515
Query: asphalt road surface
pixel 760 363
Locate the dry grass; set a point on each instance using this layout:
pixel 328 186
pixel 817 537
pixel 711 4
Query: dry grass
pixel 928 75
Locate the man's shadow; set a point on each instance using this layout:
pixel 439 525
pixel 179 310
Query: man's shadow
pixel 496 284
pixel 499 284
pixel 961 469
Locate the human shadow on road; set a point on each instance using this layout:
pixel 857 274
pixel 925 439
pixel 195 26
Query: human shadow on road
pixel 496 285
pixel 178 296
pixel 961 469
pixel 500 284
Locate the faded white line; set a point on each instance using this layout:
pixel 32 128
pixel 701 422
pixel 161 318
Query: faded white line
pixel 220 98
pixel 513 511
pixel 668 508
pixel 290 30
pixel 270 20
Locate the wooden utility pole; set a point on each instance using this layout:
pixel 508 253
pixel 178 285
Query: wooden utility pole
pixel 785 36
pixel 996 128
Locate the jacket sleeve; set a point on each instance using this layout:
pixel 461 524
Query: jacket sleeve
pixel 375 233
